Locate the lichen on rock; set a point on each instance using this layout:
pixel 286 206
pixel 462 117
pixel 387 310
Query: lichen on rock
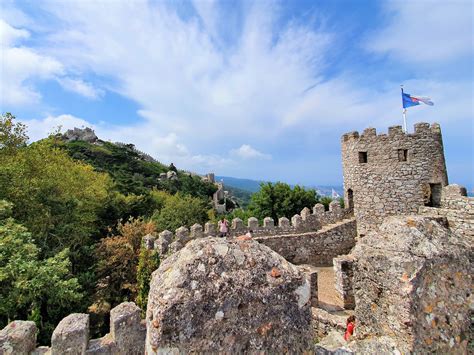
pixel 228 295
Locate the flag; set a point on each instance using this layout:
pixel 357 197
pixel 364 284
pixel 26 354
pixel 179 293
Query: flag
pixel 410 100
pixel 335 195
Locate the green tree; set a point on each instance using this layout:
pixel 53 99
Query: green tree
pixel 30 288
pixel 12 135
pixel 181 210
pixel 280 200
pixel 56 198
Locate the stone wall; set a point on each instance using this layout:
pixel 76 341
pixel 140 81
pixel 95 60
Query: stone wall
pixel 300 225
pixel 457 208
pixel 413 287
pixel 314 248
pixel 344 273
pixel 392 174
pixel 71 336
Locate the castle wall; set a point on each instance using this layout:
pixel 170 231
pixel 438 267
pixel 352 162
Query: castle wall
pixel 457 208
pixel 71 336
pixel 392 174
pixel 314 248
pixel 311 237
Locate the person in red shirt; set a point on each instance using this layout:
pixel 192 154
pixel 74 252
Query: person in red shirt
pixel 349 328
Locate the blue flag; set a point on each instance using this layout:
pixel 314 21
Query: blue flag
pixel 410 100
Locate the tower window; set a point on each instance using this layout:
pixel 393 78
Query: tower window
pixel 402 154
pixel 362 157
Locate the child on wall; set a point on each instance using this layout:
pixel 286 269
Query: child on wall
pixel 349 327
pixel 223 227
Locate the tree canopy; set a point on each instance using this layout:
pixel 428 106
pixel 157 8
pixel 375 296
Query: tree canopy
pixel 280 200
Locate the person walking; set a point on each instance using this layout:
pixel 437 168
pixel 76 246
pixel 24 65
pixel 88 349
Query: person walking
pixel 223 227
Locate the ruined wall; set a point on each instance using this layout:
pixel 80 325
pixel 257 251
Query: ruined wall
pixel 413 286
pixel 310 238
pixel 457 208
pixel 314 248
pixel 71 336
pixel 391 174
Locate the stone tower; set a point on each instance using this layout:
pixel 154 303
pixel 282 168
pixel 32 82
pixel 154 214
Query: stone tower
pixel 392 174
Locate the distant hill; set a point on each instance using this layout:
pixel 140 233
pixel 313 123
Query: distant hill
pixel 243 184
pixel 254 185
pixel 134 171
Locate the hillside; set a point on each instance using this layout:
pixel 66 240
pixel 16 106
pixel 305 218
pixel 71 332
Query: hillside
pixel 133 171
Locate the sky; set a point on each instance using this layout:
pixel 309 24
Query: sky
pixel 251 89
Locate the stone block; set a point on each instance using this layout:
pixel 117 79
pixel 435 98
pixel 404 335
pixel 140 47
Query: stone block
pixel 148 241
pixel 252 223
pixel 344 273
pixel 297 221
pixel 268 222
pixel 182 235
pixel 237 224
pixel 284 223
pixel 305 212
pixel 334 206
pixel 210 229
pixel 71 335
pixel 196 231
pixel 18 337
pixel 319 210
pixel 163 242
pixel 126 330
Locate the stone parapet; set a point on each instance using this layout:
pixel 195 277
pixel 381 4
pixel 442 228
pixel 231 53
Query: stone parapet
pixel 314 248
pixel 18 337
pixel 307 221
pixel 457 208
pixel 71 336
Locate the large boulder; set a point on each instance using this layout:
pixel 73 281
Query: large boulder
pixel 217 295
pixel 413 286
pixel 18 337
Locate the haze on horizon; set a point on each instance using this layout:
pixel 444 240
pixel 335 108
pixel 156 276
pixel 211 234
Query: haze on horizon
pixel 260 90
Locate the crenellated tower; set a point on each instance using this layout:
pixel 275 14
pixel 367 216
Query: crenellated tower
pixel 392 174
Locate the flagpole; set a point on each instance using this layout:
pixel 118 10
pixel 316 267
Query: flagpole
pixel 404 113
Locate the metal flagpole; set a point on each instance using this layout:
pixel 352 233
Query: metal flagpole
pixel 404 113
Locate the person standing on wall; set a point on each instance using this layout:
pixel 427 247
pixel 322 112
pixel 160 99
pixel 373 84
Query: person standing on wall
pixel 223 227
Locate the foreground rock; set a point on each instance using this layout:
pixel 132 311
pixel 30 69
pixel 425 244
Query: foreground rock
pixel 413 288
pixel 232 296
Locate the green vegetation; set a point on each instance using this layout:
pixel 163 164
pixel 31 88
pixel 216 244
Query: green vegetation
pixel 64 247
pixel 31 287
pixel 279 199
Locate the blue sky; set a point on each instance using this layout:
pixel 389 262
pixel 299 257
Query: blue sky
pixel 252 89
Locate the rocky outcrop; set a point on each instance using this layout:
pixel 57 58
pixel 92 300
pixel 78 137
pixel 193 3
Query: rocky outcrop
pixel 78 134
pixel 18 337
pixel 413 286
pixel 233 296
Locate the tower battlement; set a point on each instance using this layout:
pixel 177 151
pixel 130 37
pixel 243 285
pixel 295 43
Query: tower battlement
pixel 421 129
pixel 392 173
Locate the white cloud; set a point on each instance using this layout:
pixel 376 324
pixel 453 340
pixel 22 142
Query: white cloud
pixel 22 67
pixel 248 152
pixel 9 35
pixel 80 87
pixel 41 128
pixel 426 31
